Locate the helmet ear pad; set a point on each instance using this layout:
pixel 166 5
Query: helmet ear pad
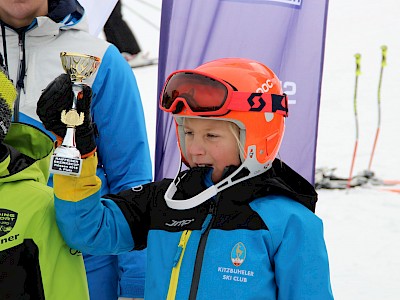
pixel 180 136
pixel 262 130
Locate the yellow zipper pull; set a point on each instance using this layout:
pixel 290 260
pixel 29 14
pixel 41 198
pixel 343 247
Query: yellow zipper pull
pixel 173 283
pixel 181 246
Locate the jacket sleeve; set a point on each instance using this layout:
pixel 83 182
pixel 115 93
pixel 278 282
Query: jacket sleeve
pixel 88 223
pixel 118 113
pixel 298 253
pixel 122 146
pixel 131 283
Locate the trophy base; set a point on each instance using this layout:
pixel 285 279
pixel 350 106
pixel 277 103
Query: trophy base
pixel 66 161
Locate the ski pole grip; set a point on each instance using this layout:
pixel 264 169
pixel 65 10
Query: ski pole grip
pixel 384 50
pixel 358 62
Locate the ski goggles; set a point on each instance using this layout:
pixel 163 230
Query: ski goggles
pixel 204 95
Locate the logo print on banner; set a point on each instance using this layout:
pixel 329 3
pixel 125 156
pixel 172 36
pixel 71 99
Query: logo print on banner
pixel 238 254
pixel 7 221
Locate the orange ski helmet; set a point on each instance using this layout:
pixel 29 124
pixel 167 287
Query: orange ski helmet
pixel 238 90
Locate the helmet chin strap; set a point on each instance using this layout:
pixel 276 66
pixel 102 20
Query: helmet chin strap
pixel 250 163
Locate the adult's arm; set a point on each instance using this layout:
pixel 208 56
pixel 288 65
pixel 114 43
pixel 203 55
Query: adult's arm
pixel 118 113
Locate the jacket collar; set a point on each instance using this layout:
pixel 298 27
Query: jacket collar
pixel 62 14
pixel 59 9
pixel 27 154
pixel 280 179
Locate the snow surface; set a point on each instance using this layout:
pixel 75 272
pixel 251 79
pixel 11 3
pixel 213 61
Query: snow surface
pixel 362 225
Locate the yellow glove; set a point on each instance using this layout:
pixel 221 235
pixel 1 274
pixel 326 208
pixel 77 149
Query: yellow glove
pixel 74 189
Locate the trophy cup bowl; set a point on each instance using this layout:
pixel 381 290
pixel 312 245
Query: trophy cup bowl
pixel 66 159
pixel 79 66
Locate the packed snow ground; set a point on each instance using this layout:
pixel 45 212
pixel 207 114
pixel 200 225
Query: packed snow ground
pixel 362 225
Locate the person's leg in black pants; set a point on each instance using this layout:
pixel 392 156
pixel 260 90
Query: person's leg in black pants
pixel 118 32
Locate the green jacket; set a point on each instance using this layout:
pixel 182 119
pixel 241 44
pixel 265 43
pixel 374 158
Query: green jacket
pixel 35 262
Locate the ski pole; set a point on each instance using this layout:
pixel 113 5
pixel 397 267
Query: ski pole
pixel 383 64
pixel 358 72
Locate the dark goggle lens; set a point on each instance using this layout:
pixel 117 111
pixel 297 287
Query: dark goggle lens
pixel 200 92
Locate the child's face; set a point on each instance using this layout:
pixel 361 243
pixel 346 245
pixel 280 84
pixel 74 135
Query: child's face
pixel 211 143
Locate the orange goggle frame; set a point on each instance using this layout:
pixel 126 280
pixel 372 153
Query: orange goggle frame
pixel 205 95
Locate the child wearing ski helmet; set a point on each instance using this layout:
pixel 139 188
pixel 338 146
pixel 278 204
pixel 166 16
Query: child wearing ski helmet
pixel 238 223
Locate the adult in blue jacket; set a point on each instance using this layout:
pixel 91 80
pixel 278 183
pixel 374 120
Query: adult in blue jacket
pixel 238 224
pixel 33 33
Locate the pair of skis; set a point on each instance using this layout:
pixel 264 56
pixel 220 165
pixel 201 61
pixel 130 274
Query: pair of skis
pixel 325 178
pixel 368 173
pixel 146 63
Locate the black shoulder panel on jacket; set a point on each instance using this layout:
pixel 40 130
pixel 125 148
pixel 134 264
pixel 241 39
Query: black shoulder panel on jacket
pixel 145 208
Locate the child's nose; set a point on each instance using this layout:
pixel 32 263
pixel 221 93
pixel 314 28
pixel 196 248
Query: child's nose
pixel 196 147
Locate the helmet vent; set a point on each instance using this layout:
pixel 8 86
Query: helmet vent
pixel 269 116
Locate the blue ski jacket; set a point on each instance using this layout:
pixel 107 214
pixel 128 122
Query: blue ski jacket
pixel 32 57
pixel 258 239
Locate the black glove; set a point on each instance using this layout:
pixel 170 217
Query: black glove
pixel 8 94
pixel 58 96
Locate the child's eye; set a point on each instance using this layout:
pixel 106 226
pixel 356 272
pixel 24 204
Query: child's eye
pixel 188 132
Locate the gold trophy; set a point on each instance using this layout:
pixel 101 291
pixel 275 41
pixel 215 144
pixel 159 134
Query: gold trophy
pixel 66 159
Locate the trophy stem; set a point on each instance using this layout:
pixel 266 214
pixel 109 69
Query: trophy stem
pixel 76 88
pixel 68 148
pixel 69 139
